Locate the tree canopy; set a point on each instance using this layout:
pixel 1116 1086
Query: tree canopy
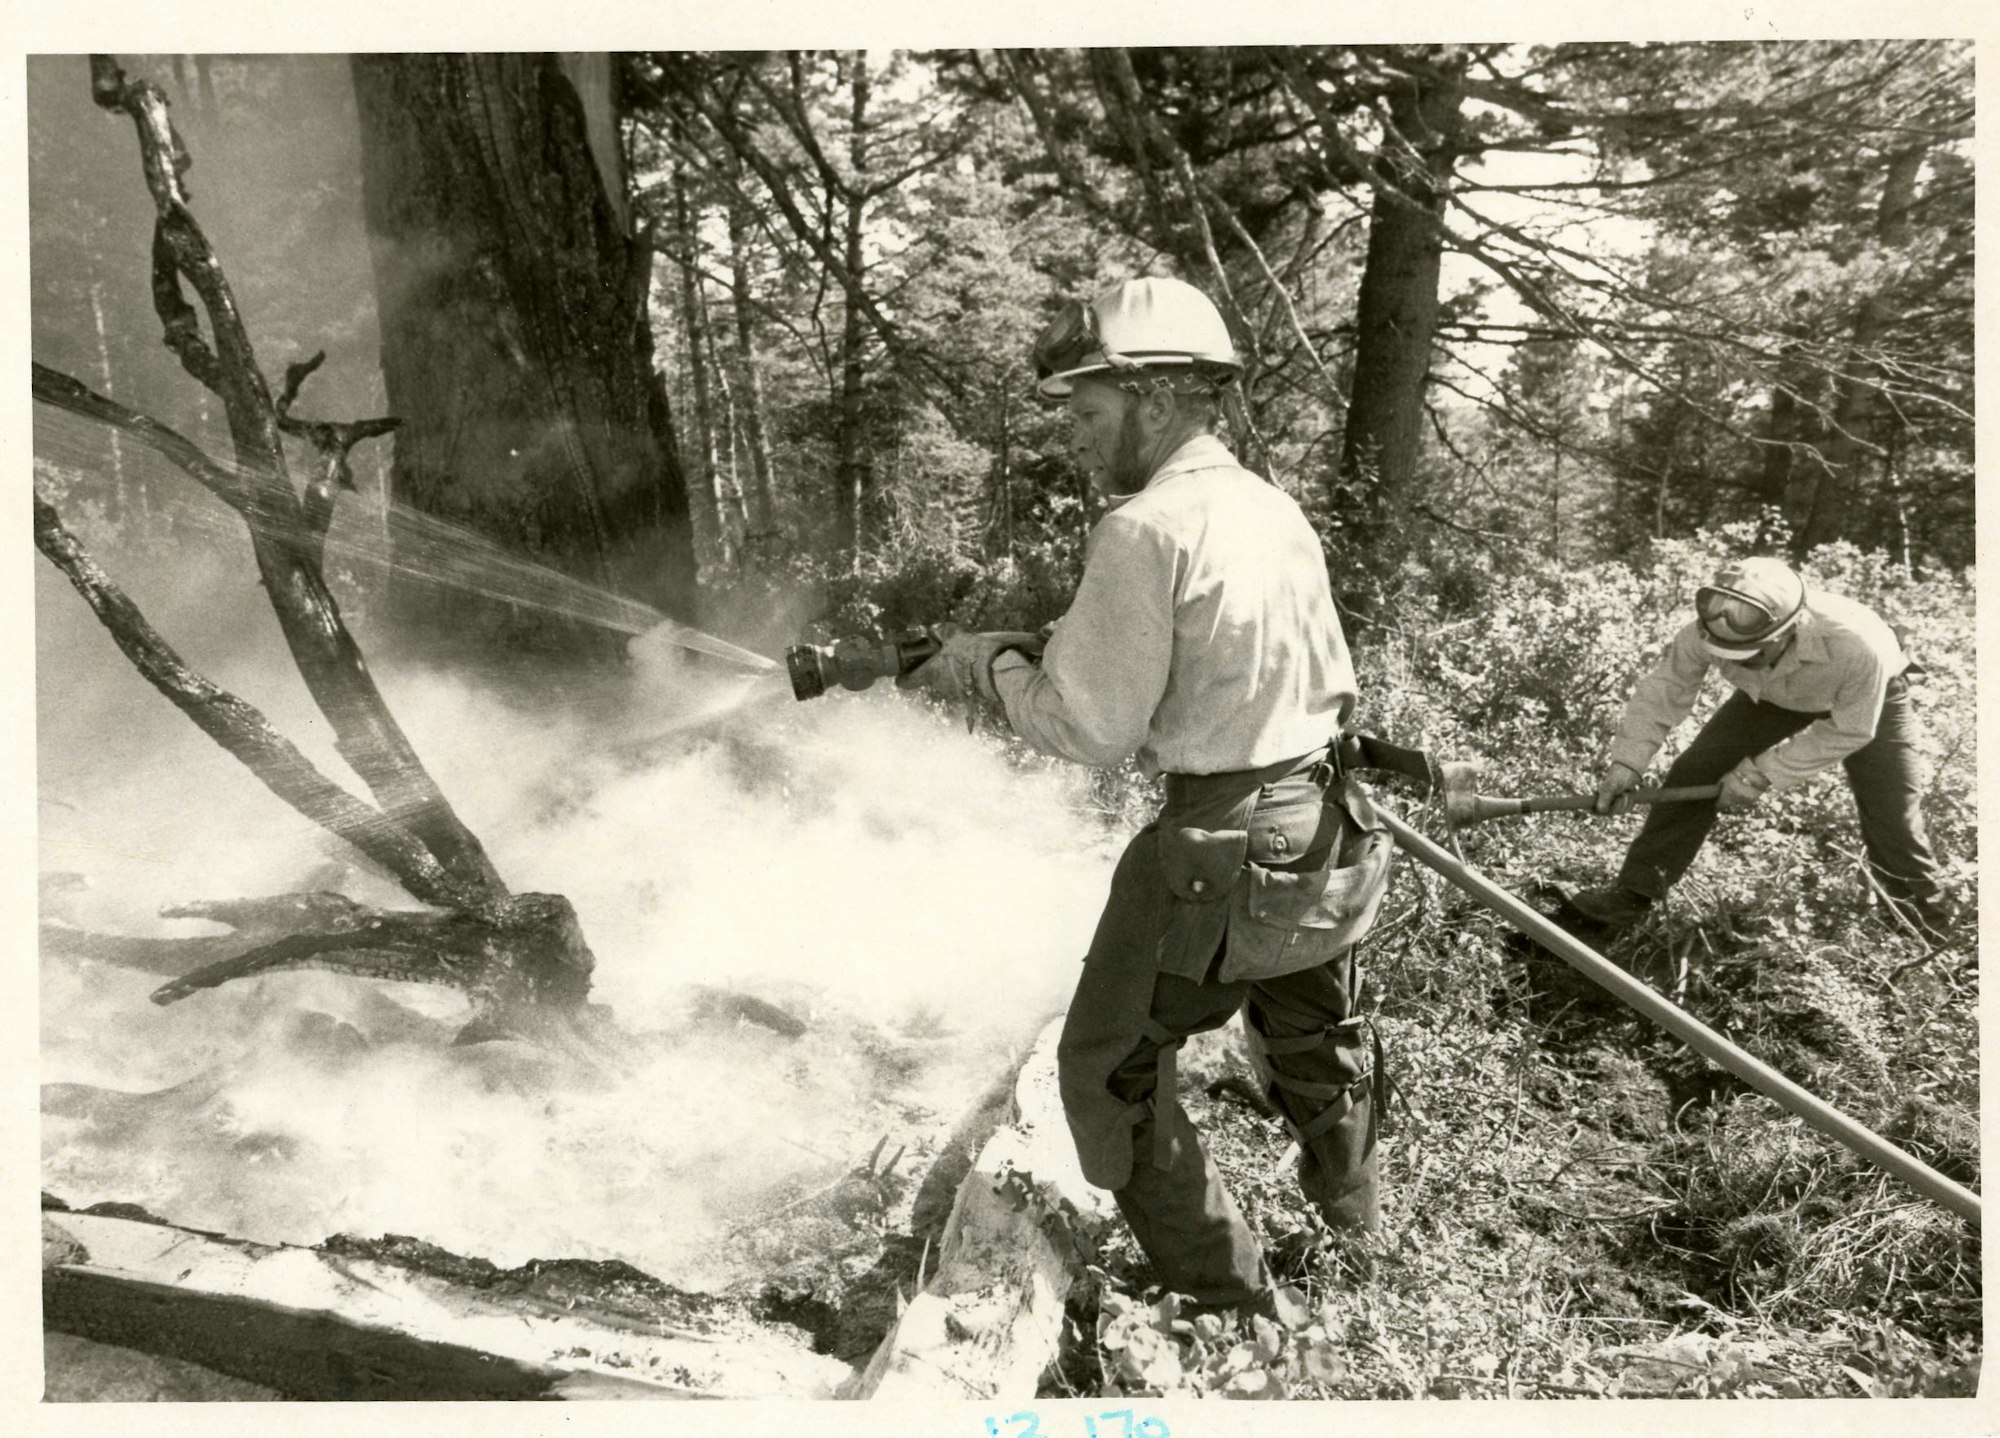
pixel 1564 300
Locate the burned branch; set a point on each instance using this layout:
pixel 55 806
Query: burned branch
pixel 536 937
pixel 244 731
pixel 53 387
pixel 509 952
pixel 504 951
pixel 330 441
pixel 252 922
pixel 328 660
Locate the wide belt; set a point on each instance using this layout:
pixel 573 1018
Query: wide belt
pixel 1349 752
pixel 1184 791
pixel 1365 751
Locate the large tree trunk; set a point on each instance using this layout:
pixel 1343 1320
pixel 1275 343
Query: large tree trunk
pixel 1396 310
pixel 515 345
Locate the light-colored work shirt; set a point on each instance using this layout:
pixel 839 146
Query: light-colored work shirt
pixel 1203 637
pixel 1839 666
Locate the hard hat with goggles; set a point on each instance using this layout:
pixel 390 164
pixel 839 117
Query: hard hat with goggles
pixel 1136 327
pixel 1748 605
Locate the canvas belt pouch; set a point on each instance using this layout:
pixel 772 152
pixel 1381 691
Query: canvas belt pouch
pixel 1294 911
pixel 1204 838
pixel 1290 874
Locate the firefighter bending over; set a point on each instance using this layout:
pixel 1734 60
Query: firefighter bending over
pixel 1820 681
pixel 1202 638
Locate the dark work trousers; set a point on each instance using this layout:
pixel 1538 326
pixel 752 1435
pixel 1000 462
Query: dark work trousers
pixel 1127 1019
pixel 1886 775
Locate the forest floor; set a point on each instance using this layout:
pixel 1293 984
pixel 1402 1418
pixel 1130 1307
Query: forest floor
pixel 1575 1205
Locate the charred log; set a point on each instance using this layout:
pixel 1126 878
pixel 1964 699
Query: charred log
pixel 529 951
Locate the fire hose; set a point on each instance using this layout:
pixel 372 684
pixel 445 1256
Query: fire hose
pixel 1685 1026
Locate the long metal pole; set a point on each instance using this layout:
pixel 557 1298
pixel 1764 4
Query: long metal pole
pixel 1683 1025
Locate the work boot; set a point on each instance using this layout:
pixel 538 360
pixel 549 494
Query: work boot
pixel 1934 919
pixel 1615 907
pixel 1282 1303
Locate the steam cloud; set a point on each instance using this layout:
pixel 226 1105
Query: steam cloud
pixel 859 861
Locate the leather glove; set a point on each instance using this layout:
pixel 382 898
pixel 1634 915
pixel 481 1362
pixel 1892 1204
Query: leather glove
pixel 1742 787
pixel 964 666
pixel 1612 790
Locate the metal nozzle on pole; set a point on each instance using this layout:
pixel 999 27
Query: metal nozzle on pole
pixel 1464 805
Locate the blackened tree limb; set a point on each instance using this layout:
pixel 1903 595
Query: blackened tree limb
pixel 180 247
pixel 241 729
pixel 282 537
pixel 53 387
pixel 179 323
pixel 447 948
pixel 296 374
pixel 331 441
pixel 255 922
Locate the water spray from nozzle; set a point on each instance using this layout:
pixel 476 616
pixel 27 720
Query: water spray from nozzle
pixel 856 663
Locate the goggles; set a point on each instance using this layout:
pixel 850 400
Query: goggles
pixel 1736 627
pixel 1072 341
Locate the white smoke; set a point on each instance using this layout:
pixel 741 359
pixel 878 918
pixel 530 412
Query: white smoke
pixel 858 860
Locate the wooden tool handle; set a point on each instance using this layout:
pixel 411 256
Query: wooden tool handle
pixel 1676 796
pixel 1555 802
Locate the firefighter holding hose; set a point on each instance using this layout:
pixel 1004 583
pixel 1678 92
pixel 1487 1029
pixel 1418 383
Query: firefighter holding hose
pixel 1203 639
pixel 1820 680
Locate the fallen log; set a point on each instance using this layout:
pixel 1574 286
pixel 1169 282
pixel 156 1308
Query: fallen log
pixel 393 1319
pixel 988 1323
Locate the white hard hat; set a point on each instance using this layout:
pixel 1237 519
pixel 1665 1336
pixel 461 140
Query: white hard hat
pixel 1139 324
